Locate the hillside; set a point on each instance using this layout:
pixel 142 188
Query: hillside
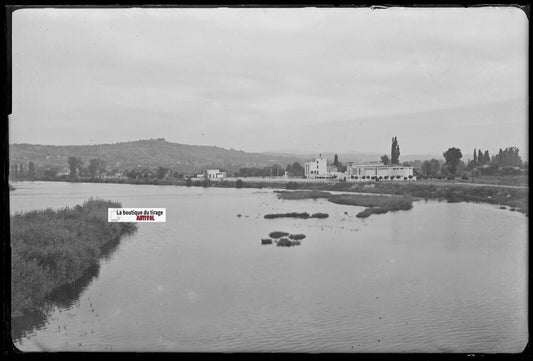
pixel 146 153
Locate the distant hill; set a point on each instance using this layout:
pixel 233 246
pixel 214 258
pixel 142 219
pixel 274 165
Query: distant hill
pixel 146 153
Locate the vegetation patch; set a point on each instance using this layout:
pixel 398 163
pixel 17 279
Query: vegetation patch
pixel 288 215
pixel 369 211
pixel 319 215
pixel 285 242
pixel 376 204
pixel 278 234
pixel 266 241
pixel 53 248
pixel 297 236
pixel 313 194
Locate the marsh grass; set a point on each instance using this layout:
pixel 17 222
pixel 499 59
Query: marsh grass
pixel 375 203
pixel 53 248
pixel 287 215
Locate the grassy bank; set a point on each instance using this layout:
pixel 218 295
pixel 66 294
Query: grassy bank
pixel 516 198
pixel 376 204
pixel 50 249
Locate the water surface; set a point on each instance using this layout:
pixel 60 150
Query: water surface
pixel 439 278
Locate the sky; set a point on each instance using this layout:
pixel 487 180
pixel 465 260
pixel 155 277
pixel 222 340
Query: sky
pixel 304 80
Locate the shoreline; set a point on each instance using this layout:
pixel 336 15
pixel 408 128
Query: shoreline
pixel 49 251
pixel 516 198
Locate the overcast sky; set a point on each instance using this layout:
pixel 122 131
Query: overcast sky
pixel 300 80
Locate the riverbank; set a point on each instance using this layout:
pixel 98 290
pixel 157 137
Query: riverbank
pixel 375 204
pixel 51 249
pixel 515 198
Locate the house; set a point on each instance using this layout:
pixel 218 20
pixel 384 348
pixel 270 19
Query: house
pixel 317 168
pixel 213 174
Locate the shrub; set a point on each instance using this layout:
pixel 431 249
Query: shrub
pixel 398 177
pixel 464 177
pixel 266 241
pixel 188 182
pixel 410 177
pixel 238 183
pixel 292 185
pixel 404 178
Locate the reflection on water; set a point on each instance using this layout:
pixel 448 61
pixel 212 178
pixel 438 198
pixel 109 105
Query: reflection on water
pixel 63 297
pixel 439 277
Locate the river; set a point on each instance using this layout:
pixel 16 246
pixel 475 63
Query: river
pixel 441 277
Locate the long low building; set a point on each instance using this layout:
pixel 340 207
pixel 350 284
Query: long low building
pixel 378 171
pixel 212 174
pixel 319 169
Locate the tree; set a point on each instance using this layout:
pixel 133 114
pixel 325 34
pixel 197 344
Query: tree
pixel 238 183
pixel 336 160
pixel 162 172
pixel 385 159
pixel 31 170
pixel 426 168
pixel 395 151
pixel 95 167
pixel 475 158
pixel 435 167
pixel 486 157
pixel 74 164
pixel 480 157
pixel 206 182
pixel 295 169
pixel 452 156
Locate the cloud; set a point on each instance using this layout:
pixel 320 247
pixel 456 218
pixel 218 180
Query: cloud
pixel 275 76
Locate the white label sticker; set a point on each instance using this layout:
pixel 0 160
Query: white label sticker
pixel 136 214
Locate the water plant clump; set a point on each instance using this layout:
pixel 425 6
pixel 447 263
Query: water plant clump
pixel 266 241
pixel 285 242
pixel 278 234
pixel 297 237
pixel 304 215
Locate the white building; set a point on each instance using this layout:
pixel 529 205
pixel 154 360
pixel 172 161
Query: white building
pixel 213 174
pixel 376 170
pixel 317 168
